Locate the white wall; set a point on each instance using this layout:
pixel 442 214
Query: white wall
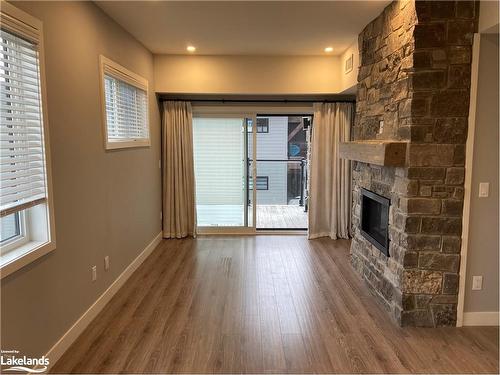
pixel 277 174
pixel 258 75
pixel 273 145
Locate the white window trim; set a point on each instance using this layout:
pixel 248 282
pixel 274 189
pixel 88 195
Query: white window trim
pixel 19 240
pixel 32 250
pixel 108 66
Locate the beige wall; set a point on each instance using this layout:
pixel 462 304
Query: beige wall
pixel 247 74
pixel 349 81
pixel 488 16
pixel 106 203
pixel 482 254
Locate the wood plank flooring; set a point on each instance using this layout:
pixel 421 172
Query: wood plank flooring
pixel 263 304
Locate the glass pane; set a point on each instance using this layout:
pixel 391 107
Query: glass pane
pixel 219 159
pixel 10 227
pixel 282 146
pixel 126 110
pixel 21 127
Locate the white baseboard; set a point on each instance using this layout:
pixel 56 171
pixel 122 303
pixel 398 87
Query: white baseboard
pixel 481 318
pixel 76 329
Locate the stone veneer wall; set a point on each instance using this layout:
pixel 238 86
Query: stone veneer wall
pixel 415 76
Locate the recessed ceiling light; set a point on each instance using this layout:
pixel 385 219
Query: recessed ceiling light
pixel 328 49
pixel 191 48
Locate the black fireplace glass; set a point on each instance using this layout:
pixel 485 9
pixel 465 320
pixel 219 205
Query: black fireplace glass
pixel 375 219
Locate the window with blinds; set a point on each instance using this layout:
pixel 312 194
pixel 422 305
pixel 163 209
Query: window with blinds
pixel 23 172
pixel 125 106
pixel 27 226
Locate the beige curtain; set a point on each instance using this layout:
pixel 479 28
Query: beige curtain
pixel 179 207
pixel 330 183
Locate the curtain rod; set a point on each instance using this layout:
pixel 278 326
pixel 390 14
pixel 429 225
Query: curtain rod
pixel 260 101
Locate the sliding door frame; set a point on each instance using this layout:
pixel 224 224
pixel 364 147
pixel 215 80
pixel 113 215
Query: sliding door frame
pixel 245 228
pixel 249 112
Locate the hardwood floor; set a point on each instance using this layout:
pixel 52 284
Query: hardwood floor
pixel 263 304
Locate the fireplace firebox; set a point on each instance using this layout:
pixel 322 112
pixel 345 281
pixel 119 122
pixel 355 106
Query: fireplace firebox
pixel 374 225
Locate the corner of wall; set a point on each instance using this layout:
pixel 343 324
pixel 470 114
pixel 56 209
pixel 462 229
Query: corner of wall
pixel 349 80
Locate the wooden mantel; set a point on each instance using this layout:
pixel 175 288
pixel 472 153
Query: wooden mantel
pixel 380 152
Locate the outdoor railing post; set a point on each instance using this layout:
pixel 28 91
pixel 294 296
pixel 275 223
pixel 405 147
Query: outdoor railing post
pixel 301 201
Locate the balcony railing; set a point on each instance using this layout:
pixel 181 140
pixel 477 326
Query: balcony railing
pixel 300 187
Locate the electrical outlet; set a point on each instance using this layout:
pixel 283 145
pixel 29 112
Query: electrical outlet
pixel 477 282
pixel 94 273
pixel 159 164
pixel 106 263
pixel 484 189
pixel 161 215
pixel 380 126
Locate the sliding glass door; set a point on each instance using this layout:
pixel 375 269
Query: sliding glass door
pixel 222 170
pixel 251 169
pixel 282 151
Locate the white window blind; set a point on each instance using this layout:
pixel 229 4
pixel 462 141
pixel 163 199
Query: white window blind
pixel 23 173
pixel 126 106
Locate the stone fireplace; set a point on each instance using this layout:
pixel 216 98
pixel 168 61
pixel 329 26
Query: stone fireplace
pixel 413 88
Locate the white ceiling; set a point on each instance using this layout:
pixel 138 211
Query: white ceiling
pixel 244 27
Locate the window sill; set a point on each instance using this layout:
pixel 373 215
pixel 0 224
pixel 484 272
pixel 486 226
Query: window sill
pixel 127 144
pixel 24 255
